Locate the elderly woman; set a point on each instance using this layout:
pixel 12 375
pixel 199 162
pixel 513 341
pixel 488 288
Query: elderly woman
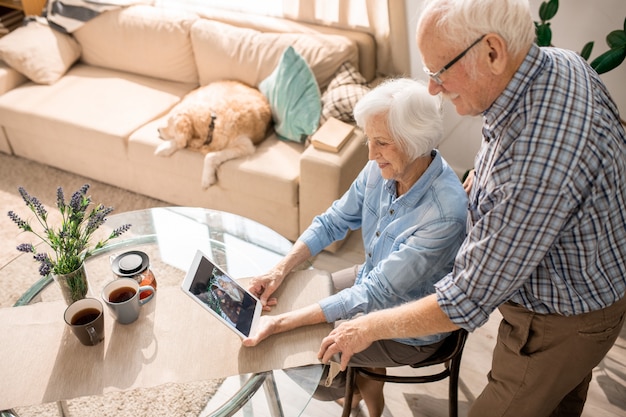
pixel 411 208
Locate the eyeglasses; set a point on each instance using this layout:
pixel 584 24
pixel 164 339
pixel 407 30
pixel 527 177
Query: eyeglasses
pixel 435 76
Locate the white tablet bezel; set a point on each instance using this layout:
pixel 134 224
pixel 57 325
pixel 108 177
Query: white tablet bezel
pixel 188 282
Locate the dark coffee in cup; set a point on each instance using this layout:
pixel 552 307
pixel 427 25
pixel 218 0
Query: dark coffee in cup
pixel 119 295
pixel 85 316
pixel 86 320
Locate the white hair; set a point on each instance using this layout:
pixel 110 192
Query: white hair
pixel 463 21
pixel 414 116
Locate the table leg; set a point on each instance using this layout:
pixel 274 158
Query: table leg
pixel 271 394
pixel 63 410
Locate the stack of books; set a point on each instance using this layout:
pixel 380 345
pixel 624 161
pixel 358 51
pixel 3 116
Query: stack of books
pixel 10 19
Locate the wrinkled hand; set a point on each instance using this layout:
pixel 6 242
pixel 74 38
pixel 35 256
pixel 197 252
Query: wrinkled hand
pixel 348 338
pixel 264 286
pixel 265 328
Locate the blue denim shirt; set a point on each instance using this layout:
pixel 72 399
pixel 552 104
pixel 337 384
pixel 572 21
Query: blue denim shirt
pixel 410 241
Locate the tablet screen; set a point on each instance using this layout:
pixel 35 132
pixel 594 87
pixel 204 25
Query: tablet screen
pixel 220 294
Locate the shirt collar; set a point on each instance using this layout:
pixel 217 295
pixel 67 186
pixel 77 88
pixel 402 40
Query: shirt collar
pixel 424 182
pixel 507 102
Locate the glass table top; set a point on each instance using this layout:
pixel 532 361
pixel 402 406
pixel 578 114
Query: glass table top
pixel 171 236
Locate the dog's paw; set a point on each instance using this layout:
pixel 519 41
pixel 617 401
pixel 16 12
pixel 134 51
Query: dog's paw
pixel 209 170
pixel 208 178
pixel 166 148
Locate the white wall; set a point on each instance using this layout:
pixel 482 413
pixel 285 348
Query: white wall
pixel 576 23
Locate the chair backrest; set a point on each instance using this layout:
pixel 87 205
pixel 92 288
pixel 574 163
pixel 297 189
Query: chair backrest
pixel 452 346
pixel 449 354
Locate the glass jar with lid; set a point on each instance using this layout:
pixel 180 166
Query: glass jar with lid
pixel 135 264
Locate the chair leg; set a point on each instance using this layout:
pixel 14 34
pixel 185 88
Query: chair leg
pixel 453 393
pixel 347 399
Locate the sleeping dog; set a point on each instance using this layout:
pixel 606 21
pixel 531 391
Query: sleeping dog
pixel 222 120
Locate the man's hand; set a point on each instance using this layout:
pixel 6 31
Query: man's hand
pixel 348 338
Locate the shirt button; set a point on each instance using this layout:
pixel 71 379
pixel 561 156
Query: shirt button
pixel 377 234
pixel 369 254
pixel 392 211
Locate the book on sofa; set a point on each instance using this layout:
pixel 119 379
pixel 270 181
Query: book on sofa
pixel 332 135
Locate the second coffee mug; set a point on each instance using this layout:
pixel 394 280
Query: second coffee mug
pixel 122 296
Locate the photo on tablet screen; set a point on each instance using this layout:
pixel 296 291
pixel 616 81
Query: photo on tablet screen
pixel 217 292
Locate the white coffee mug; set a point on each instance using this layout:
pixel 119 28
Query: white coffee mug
pixel 122 296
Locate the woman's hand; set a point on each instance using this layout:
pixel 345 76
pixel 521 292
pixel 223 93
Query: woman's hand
pixel 266 327
pixel 264 286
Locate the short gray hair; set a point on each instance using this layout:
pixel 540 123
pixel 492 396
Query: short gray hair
pixel 466 20
pixel 414 116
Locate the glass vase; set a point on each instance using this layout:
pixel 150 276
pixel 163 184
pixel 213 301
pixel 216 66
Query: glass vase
pixel 73 285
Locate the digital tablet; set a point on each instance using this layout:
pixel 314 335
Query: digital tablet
pixel 222 296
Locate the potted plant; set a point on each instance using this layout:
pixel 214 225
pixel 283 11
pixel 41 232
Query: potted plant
pixel 605 62
pixel 70 242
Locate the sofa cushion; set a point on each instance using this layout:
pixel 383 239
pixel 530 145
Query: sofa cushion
pixel 83 121
pixel 294 97
pixel 342 94
pixel 141 39
pixel 224 52
pixel 39 52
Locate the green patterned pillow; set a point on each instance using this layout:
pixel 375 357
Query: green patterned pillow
pixel 294 97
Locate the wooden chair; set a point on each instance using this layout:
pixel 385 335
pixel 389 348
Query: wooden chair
pixel 448 354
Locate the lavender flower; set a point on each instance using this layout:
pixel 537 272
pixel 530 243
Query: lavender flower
pixel 26 247
pixel 60 199
pixel 22 224
pixel 39 208
pixel 70 242
pixel 122 229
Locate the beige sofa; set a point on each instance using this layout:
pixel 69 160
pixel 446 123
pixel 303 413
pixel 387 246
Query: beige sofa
pixel 121 72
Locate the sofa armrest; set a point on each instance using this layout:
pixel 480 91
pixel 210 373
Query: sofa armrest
pixel 325 176
pixel 9 78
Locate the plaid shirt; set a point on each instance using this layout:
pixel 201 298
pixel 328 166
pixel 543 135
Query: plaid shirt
pixel 547 224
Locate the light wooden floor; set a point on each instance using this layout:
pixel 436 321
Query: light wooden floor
pixel 606 398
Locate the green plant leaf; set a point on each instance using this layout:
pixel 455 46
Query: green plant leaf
pixel 544 34
pixel 616 39
pixel 586 52
pixel 609 60
pixel 548 9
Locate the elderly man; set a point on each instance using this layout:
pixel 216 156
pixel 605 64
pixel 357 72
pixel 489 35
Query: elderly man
pixel 547 237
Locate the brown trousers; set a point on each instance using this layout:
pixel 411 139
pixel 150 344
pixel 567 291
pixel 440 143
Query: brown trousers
pixel 542 364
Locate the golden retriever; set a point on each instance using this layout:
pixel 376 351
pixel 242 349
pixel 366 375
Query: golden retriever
pixel 222 120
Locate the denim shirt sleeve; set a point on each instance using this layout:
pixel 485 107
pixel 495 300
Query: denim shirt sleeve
pixel 343 215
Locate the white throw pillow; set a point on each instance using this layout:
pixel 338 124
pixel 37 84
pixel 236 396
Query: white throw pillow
pixel 39 52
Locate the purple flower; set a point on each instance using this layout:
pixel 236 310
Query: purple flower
pixel 22 224
pixel 45 263
pixel 39 208
pixel 122 229
pixel 24 195
pixel 70 242
pixel 26 247
pixel 60 199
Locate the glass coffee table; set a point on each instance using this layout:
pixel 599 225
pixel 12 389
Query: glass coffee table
pixel 170 236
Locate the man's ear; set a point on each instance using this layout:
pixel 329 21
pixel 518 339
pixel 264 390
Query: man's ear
pixel 498 53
